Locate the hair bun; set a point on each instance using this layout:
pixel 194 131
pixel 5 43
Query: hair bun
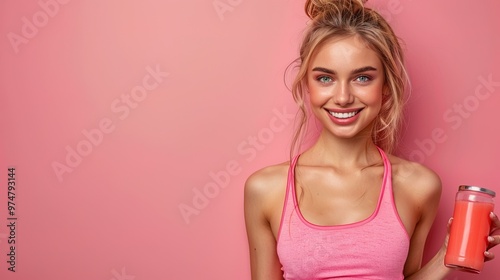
pixel 314 8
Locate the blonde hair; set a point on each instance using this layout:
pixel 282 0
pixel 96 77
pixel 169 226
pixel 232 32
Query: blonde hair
pixel 344 18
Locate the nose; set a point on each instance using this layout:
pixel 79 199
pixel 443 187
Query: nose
pixel 342 95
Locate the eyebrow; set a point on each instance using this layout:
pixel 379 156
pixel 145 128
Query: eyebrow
pixel 355 71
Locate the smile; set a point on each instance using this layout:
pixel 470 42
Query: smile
pixel 344 115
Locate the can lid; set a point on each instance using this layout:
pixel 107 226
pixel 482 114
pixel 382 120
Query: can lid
pixel 476 189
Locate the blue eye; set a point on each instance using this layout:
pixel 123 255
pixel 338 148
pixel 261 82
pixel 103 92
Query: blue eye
pixel 324 79
pixel 363 79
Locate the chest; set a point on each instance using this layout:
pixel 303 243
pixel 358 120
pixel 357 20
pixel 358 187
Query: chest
pixel 328 199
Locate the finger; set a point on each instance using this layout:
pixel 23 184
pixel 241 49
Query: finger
pixel 448 226
pixel 493 241
pixel 488 256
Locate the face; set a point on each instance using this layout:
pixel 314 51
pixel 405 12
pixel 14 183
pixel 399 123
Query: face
pixel 345 80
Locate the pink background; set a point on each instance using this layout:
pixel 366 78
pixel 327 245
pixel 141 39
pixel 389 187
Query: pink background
pixel 75 68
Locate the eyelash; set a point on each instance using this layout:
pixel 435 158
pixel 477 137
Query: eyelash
pixel 368 78
pixel 320 79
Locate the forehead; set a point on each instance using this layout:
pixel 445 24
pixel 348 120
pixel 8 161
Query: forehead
pixel 344 53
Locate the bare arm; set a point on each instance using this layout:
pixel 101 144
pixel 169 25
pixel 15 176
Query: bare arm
pixel 435 268
pixel 426 193
pixel 262 244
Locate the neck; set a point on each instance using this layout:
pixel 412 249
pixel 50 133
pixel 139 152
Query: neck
pixel 329 150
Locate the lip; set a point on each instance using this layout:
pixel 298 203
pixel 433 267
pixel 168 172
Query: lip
pixel 344 121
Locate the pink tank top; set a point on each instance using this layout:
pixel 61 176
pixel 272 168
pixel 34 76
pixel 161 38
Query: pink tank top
pixel 374 248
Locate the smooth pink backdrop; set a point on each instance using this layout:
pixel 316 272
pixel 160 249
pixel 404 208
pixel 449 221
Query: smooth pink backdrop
pixel 183 100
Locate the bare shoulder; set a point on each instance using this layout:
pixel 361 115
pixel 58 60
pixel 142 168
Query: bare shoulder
pixel 415 178
pixel 264 197
pixel 267 181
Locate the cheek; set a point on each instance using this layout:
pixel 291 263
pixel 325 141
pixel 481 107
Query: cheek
pixel 318 96
pixel 378 101
pixel 374 96
pixel 315 102
pixel 314 98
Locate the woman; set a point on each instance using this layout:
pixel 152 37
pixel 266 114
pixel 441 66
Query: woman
pixel 345 207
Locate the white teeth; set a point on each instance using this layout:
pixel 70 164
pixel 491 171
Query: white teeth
pixel 343 115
